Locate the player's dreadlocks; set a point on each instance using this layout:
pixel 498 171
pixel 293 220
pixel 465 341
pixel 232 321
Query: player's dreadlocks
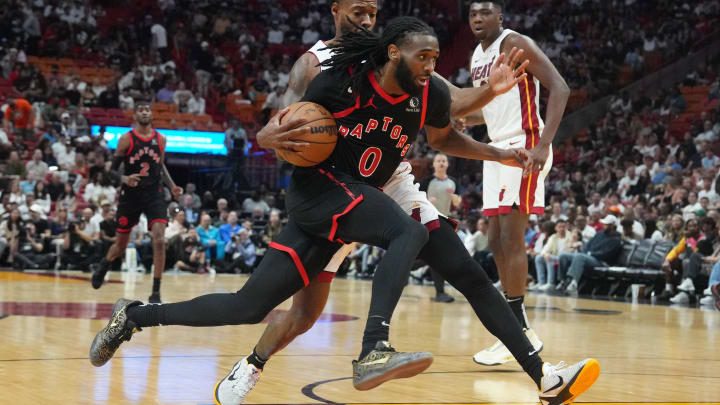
pixel 364 50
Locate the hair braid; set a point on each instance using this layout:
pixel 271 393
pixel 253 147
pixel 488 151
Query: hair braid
pixel 365 51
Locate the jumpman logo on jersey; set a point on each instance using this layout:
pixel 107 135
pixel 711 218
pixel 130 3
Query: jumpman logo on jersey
pixel 370 103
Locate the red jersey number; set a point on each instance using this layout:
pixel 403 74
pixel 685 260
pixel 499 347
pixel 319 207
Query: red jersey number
pixel 369 161
pixel 145 169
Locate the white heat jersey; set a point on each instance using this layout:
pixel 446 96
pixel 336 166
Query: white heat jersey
pixel 321 55
pixel 515 112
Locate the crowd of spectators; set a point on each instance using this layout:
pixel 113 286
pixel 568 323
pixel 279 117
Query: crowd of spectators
pixel 628 171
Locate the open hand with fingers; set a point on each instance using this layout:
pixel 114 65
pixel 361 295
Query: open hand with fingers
pixel 508 71
pixel 280 136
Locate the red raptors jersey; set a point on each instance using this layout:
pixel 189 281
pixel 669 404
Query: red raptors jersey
pixel 143 157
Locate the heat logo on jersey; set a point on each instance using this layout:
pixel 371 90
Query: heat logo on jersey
pixel 373 125
pixel 482 72
pixel 145 151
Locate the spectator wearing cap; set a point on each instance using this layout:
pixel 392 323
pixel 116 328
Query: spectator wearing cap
pixel 603 249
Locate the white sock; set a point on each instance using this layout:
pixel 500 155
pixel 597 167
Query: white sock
pixel 668 287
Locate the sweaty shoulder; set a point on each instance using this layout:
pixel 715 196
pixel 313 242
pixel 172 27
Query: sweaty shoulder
pixel 438 110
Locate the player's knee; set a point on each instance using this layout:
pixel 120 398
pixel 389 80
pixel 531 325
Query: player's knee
pixel 495 245
pixel 413 232
pixel 158 243
pixel 302 321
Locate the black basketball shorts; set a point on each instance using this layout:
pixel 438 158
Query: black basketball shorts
pixel 135 201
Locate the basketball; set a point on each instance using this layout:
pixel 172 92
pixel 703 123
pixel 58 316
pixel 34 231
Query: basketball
pixel 322 137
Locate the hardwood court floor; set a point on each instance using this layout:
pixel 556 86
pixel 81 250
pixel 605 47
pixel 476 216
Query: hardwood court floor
pixel 647 354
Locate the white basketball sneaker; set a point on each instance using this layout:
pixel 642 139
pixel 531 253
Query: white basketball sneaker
pixel 499 354
pixel 561 384
pixel 233 389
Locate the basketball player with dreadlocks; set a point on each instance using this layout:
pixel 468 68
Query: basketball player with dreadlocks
pixel 141 152
pixel 338 201
pixel 443 248
pixel 513 120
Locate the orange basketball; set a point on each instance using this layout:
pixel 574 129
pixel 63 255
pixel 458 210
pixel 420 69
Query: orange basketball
pixel 322 137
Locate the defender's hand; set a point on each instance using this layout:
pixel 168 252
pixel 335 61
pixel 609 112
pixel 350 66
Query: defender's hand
pixel 508 71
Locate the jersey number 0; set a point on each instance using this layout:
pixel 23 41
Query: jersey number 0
pixel 373 155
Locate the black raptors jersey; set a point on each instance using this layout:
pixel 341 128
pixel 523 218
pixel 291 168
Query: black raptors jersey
pixel 143 157
pixel 375 129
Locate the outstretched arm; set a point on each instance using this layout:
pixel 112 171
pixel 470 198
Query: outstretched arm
pixel 541 68
pixel 452 142
pixel 506 74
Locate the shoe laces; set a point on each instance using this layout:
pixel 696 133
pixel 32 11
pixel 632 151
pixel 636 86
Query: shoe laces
pixel 554 369
pixel 240 385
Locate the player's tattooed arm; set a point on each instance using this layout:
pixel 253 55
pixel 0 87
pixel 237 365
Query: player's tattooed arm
pixel 542 68
pixel 164 173
pixel 302 73
pixel 448 140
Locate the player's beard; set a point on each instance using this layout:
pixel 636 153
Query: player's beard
pixel 145 121
pixel 405 79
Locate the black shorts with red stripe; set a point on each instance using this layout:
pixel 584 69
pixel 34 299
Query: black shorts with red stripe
pixel 318 198
pixel 141 200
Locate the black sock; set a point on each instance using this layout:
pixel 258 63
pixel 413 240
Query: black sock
pixel 517 304
pixel 377 328
pixel 439 282
pixel 256 360
pixel 533 367
pixel 144 315
pixel 104 264
pixel 156 285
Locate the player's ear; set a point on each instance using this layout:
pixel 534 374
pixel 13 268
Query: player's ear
pixel 501 17
pixel 393 53
pixel 334 6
